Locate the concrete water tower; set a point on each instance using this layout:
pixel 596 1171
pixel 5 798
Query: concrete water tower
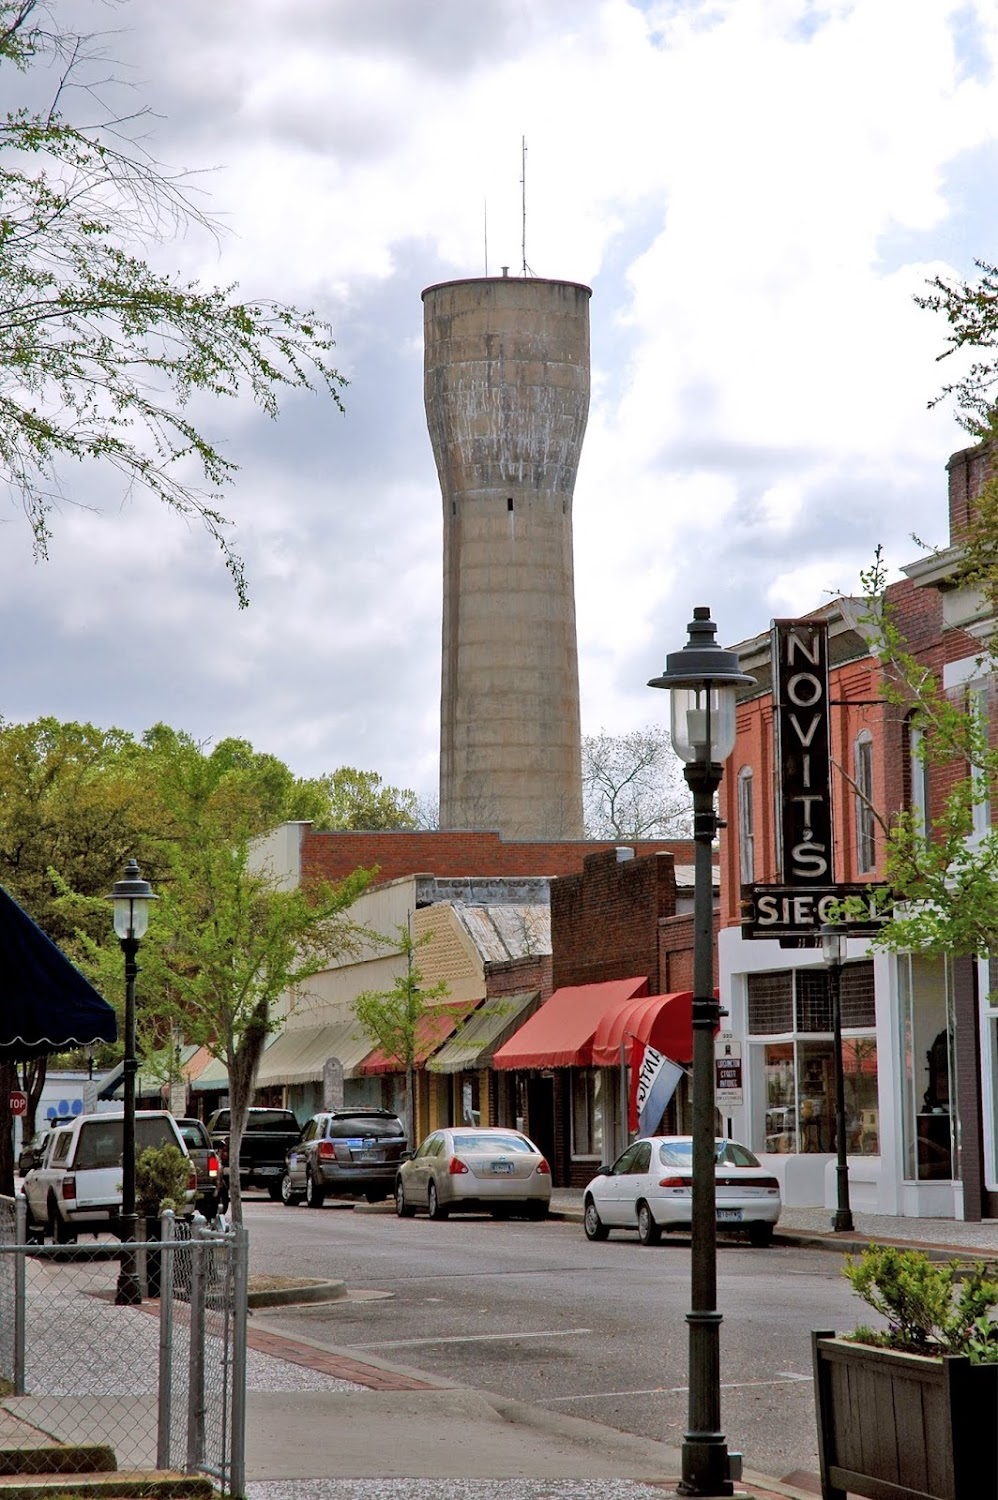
pixel 507 398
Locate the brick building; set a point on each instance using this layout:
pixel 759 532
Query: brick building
pixel 921 1135
pixel 621 940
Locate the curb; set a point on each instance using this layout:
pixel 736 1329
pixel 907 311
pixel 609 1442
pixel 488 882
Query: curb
pixel 299 1292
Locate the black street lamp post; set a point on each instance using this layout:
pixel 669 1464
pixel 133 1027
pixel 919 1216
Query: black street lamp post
pixel 834 942
pixel 131 897
pixel 704 679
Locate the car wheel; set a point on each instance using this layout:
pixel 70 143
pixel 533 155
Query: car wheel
pixel 760 1235
pixel 434 1207
pixel 537 1211
pixel 402 1208
pixel 223 1198
pixel 61 1232
pixel 592 1223
pixel 289 1197
pixel 314 1196
pixel 274 1192
pixel 648 1231
pixel 34 1231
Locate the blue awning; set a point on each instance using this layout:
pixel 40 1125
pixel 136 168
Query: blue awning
pixel 46 1005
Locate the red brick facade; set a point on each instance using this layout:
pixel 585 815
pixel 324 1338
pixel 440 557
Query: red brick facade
pixel 452 853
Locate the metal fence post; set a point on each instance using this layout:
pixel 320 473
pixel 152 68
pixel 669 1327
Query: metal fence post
pixel 240 1311
pixel 195 1381
pixel 20 1290
pixel 167 1234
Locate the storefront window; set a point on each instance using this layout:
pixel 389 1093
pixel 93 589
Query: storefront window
pixel 799 1069
pixel 587 1113
pixel 926 1058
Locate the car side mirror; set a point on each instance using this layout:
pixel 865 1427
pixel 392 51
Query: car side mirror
pixel 407 1156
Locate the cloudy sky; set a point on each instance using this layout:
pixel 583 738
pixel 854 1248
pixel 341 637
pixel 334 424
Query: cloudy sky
pixel 754 189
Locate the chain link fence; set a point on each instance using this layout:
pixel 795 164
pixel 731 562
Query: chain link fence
pixel 161 1382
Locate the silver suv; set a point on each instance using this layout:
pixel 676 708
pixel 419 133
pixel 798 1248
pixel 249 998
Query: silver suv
pixel 348 1153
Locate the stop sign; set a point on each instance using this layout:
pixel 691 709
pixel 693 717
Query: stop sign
pixel 18 1103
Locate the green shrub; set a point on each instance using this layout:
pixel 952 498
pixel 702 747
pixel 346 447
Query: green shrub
pixel 161 1177
pixel 931 1307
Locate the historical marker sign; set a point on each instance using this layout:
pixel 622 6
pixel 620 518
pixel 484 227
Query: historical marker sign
pixel 728 1090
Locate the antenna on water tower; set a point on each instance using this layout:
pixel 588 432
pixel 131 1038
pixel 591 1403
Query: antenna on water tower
pixel 523 201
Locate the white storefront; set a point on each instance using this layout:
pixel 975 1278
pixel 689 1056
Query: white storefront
pixel 903 1142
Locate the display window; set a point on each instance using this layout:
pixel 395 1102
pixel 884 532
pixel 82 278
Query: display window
pixel 798 1068
pixel 926 1032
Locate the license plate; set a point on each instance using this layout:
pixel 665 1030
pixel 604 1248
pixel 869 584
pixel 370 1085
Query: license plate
pixel 368 1156
pixel 502 1166
pixel 728 1215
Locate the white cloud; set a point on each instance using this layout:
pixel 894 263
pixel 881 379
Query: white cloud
pixel 728 177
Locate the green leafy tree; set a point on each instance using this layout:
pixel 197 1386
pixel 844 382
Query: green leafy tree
pixel 225 943
pixel 391 1019
pixel 944 877
pixel 348 798
pixel 101 356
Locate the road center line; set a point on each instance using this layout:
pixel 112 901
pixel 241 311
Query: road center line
pixel 473 1338
pixel 672 1390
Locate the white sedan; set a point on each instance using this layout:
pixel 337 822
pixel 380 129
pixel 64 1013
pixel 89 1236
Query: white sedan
pixel 650 1188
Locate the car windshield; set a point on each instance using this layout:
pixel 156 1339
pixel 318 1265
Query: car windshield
pixel 730 1153
pixel 734 1155
pixel 349 1127
pixel 101 1140
pixel 471 1142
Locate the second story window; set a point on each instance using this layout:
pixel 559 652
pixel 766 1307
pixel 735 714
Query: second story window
pixel 977 708
pixel 746 835
pixel 918 774
pixel 866 847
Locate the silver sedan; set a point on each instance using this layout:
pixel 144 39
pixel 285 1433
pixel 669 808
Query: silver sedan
pixel 485 1169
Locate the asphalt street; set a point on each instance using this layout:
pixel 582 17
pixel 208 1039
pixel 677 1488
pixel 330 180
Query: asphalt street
pixel 538 1314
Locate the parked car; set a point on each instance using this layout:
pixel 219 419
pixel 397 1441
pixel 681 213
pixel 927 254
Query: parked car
pixel 485 1169
pixel 206 1164
pixel 77 1185
pixel 31 1152
pixel 268 1135
pixel 650 1188
pixel 348 1153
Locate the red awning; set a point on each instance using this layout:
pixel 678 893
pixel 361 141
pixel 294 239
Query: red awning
pixel 560 1034
pixel 664 1022
pixel 432 1028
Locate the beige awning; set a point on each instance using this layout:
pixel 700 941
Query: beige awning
pixel 491 1024
pixel 299 1054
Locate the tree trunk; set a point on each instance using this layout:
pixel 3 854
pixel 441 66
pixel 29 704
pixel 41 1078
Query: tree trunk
pixel 34 1074
pixel 8 1082
pixel 410 1107
pixel 242 1062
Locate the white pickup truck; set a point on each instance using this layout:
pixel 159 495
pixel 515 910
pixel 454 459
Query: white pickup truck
pixel 77 1184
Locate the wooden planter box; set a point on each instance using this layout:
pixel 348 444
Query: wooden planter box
pixel 902 1426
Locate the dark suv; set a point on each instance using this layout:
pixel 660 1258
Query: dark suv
pixel 349 1153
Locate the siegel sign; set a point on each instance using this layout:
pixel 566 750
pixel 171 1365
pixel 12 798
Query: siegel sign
pixel 792 911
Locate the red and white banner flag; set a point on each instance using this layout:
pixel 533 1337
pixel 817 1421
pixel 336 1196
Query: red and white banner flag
pixel 654 1079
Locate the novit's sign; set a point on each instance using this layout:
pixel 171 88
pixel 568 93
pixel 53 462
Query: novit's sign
pixel 800 721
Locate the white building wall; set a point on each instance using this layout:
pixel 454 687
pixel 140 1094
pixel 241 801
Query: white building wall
pixel 877 1183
